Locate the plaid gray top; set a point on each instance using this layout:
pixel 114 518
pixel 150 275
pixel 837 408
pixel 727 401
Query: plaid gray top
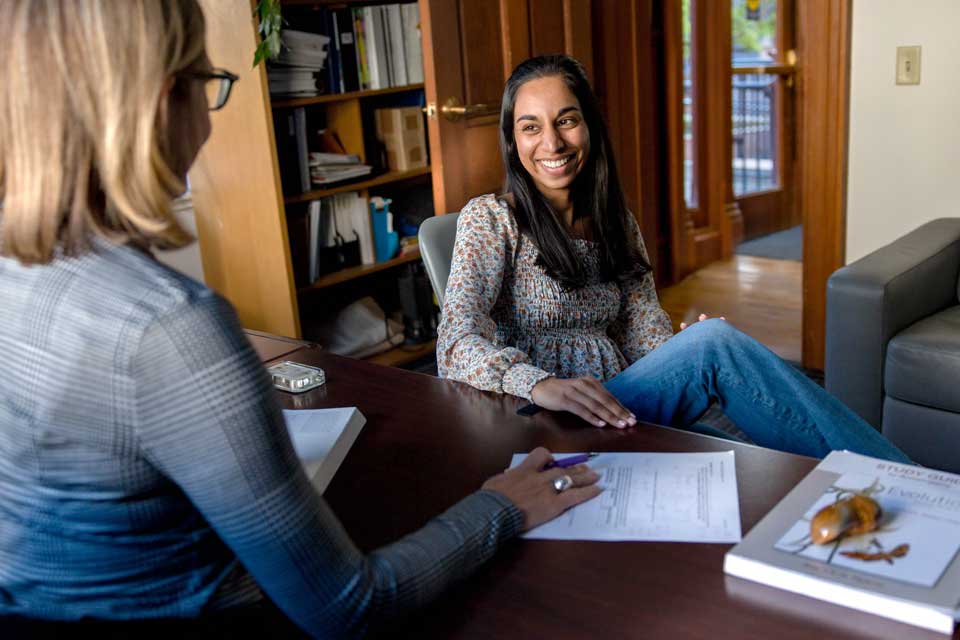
pixel 145 468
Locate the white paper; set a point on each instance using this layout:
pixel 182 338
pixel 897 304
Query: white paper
pixel 669 497
pixel 322 438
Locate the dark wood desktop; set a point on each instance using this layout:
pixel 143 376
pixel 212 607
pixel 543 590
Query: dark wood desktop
pixel 429 442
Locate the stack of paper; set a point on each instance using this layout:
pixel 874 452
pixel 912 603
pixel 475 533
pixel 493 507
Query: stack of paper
pixel 322 438
pixel 302 56
pixel 679 497
pixel 327 168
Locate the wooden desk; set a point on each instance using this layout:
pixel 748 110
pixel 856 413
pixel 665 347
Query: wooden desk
pixel 429 442
pixel 270 347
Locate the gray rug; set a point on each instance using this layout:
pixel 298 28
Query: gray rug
pixel 782 245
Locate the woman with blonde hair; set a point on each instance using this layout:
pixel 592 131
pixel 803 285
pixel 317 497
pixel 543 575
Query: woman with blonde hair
pixel 145 470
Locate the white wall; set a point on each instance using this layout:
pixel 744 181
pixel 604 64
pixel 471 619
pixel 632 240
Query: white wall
pixel 904 154
pixel 186 260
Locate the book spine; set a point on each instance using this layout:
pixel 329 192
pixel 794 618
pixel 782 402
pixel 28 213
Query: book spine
pixel 397 45
pixel 315 225
pixel 363 61
pixel 373 54
pixel 411 40
pixel 349 75
pixel 333 53
pixel 303 152
pixel 383 55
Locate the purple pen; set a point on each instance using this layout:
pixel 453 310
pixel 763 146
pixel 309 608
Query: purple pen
pixel 569 461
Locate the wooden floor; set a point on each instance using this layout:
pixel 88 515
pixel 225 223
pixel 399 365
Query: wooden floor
pixel 762 297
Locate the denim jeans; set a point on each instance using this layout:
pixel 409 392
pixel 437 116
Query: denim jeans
pixel 773 403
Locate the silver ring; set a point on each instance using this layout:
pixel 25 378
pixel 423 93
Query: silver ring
pixel 562 483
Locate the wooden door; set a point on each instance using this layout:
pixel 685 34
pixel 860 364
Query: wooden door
pixel 730 103
pixel 469 49
pixel 763 92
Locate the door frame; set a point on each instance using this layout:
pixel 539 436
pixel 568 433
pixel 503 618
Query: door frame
pixel 823 48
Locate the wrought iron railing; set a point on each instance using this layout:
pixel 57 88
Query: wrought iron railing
pixel 754 134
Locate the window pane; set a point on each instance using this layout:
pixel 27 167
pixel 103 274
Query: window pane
pixel 689 166
pixel 754 96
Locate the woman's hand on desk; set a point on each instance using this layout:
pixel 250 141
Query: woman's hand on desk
pixel 586 397
pixel 531 489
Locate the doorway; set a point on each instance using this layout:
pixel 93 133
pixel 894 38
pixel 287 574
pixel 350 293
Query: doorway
pixel 731 88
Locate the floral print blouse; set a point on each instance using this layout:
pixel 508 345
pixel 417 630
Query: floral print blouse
pixel 507 325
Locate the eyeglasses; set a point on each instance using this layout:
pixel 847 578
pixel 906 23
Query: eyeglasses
pixel 216 84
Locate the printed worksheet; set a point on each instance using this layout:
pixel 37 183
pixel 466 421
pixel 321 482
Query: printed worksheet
pixel 669 497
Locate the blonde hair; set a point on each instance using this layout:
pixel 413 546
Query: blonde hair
pixel 83 146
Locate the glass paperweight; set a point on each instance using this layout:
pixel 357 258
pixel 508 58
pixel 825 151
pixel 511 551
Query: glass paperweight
pixel 295 377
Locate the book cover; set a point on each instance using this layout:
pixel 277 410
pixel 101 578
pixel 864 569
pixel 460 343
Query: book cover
pixel 906 568
pixel 322 438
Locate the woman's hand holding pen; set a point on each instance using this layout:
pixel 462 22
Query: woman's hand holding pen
pixel 531 487
pixel 585 397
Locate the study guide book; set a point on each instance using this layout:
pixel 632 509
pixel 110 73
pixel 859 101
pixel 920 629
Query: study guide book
pixel 906 568
pixel 322 438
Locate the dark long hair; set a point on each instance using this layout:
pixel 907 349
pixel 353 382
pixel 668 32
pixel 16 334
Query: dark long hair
pixel 596 191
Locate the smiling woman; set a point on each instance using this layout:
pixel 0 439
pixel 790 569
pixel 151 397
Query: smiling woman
pixel 551 297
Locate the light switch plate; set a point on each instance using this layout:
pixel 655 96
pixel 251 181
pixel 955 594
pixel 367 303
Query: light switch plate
pixel 908 65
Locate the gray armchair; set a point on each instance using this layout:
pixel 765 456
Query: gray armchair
pixel 893 341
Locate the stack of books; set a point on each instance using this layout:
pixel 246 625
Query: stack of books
pixel 371 47
pixel 302 57
pixel 327 168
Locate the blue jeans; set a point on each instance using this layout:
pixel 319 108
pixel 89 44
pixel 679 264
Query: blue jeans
pixel 773 403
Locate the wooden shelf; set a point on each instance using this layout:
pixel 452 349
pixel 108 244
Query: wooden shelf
pixel 403 354
pixel 288 103
pixel 351 273
pixel 383 178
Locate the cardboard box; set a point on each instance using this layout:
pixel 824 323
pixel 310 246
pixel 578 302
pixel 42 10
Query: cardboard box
pixel 402 134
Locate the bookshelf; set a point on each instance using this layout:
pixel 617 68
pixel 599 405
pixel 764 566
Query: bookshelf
pixel 363 185
pixel 352 273
pixel 281 103
pixel 244 213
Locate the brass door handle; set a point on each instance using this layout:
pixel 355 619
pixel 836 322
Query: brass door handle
pixel 787 70
pixel 453 111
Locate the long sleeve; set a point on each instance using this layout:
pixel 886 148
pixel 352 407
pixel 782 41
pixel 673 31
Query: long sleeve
pixel 206 418
pixel 465 338
pixel 641 325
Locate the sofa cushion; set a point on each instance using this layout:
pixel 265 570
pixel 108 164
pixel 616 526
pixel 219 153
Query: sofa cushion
pixel 923 362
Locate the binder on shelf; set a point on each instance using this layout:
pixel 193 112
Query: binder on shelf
pixel 413 55
pixel 333 83
pixel 343 23
pixel 360 39
pixel 291 136
pixel 373 54
pixel 398 64
pixel 303 153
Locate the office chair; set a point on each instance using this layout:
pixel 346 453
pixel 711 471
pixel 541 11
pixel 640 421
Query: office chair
pixel 436 248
